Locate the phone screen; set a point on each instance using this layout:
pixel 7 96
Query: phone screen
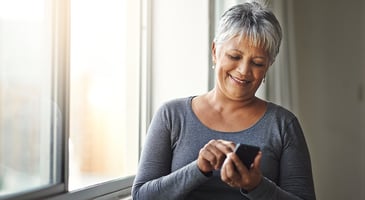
pixel 246 153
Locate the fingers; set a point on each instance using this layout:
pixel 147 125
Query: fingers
pixel 218 154
pixel 213 154
pixel 257 161
pixel 223 145
pixel 229 173
pixel 235 173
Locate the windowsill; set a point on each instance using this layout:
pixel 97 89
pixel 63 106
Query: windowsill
pixel 120 189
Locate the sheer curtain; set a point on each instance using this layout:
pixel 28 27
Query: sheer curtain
pixel 282 86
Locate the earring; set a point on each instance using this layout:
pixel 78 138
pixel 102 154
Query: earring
pixel 213 66
pixel 263 80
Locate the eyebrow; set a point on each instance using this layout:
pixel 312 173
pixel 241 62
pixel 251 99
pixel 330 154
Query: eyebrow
pixel 234 49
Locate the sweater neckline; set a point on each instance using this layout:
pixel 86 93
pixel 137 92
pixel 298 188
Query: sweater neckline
pixel 261 120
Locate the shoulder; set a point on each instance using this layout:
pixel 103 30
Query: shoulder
pixel 282 119
pixel 177 104
pixel 287 122
pixel 279 112
pixel 174 107
pixel 172 114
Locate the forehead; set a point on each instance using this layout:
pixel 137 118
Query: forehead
pixel 244 45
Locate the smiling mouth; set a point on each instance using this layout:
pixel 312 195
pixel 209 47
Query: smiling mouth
pixel 239 81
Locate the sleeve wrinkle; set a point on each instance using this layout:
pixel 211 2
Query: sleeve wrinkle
pixel 286 137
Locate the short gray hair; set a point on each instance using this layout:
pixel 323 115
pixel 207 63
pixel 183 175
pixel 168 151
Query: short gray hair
pixel 251 20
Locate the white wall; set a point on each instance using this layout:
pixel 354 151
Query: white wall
pixel 180 49
pixel 330 58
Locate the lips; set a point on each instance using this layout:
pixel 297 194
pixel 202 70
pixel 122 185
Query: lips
pixel 240 81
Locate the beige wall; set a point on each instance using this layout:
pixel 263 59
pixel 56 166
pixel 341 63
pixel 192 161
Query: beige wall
pixel 330 56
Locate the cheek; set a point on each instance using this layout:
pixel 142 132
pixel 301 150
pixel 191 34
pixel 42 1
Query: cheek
pixel 260 73
pixel 223 69
pixel 219 71
pixel 226 64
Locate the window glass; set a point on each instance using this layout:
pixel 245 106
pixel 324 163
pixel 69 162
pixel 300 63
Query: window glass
pixel 29 114
pixel 104 90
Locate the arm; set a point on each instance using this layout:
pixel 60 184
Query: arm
pixel 154 179
pixel 295 180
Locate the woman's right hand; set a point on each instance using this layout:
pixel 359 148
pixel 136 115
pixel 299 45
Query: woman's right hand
pixel 213 154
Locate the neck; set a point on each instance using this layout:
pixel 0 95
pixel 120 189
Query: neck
pixel 221 103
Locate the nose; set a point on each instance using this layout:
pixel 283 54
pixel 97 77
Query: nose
pixel 244 67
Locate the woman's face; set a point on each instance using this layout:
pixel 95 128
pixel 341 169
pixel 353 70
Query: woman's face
pixel 240 68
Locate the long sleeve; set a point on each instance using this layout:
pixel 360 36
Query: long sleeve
pixel 168 168
pixel 154 179
pixel 295 178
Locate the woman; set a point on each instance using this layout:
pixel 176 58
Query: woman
pixel 188 153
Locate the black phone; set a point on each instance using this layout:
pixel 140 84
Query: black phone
pixel 246 153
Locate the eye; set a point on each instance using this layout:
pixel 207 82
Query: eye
pixel 258 64
pixel 234 57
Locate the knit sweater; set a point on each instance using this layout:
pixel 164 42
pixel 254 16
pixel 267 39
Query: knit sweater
pixel 168 165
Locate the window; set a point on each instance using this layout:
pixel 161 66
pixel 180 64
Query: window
pixel 70 81
pixel 30 115
pixel 104 90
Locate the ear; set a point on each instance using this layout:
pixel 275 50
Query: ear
pixel 214 53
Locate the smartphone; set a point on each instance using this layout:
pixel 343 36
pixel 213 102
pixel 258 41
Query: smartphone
pixel 246 153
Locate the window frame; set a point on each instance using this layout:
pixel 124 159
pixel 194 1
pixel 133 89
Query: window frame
pixel 120 188
pixel 59 67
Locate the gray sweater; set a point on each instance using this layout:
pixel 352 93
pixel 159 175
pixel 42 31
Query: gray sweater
pixel 168 168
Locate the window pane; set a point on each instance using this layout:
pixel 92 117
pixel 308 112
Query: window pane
pixel 28 115
pixel 104 90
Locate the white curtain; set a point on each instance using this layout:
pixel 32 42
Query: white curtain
pixel 281 83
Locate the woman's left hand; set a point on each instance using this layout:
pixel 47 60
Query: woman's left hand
pixel 235 173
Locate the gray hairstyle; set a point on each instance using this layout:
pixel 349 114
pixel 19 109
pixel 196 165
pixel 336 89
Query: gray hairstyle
pixel 253 21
